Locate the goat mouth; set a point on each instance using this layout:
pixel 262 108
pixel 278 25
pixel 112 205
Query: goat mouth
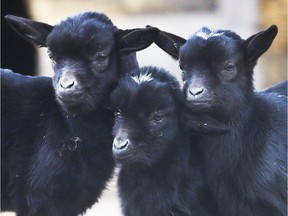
pixel 69 97
pixel 126 155
pixel 122 156
pixel 197 104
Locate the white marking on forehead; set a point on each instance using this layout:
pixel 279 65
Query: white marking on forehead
pixel 145 77
pixel 206 35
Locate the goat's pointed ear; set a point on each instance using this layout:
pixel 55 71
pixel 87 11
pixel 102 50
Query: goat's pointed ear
pixel 34 32
pixel 259 43
pixel 204 124
pixel 135 39
pixel 170 43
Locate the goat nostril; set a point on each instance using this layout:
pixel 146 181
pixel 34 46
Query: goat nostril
pixel 121 145
pixel 67 84
pixel 125 144
pixel 196 91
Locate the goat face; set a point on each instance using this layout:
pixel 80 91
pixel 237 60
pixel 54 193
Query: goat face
pixel 82 51
pixel 85 50
pixel 217 66
pixel 146 118
pixel 211 65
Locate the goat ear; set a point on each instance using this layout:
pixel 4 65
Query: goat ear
pixel 170 43
pixel 135 39
pixel 34 32
pixel 259 43
pixel 204 124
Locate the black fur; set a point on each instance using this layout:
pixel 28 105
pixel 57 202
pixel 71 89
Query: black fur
pixel 160 173
pixel 280 88
pixel 57 133
pixel 52 162
pixel 245 169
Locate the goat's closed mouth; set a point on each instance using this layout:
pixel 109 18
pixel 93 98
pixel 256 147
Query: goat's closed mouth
pixel 122 155
pixel 71 96
pixel 199 105
pixel 200 102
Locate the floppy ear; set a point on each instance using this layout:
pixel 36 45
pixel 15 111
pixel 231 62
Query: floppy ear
pixel 34 32
pixel 259 43
pixel 170 43
pixel 135 39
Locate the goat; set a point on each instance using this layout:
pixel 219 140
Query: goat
pixel 160 173
pixel 246 168
pixel 57 132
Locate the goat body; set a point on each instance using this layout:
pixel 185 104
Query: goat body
pixel 246 168
pixel 279 88
pixel 50 158
pixel 159 172
pixel 56 132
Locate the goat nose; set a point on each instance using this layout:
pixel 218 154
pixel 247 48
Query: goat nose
pixel 66 82
pixel 120 144
pixel 194 91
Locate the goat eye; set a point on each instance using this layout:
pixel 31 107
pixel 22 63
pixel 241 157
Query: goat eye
pixel 101 57
pixel 158 118
pixel 52 58
pixel 182 69
pixel 229 66
pixel 229 71
pixel 50 55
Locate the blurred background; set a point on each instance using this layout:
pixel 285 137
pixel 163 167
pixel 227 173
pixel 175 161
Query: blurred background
pixel 181 17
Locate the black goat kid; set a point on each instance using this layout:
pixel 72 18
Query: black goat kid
pixel 246 168
pixel 57 133
pixel 160 173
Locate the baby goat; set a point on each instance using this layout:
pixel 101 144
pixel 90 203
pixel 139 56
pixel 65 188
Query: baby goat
pixel 160 173
pixel 246 168
pixel 57 133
